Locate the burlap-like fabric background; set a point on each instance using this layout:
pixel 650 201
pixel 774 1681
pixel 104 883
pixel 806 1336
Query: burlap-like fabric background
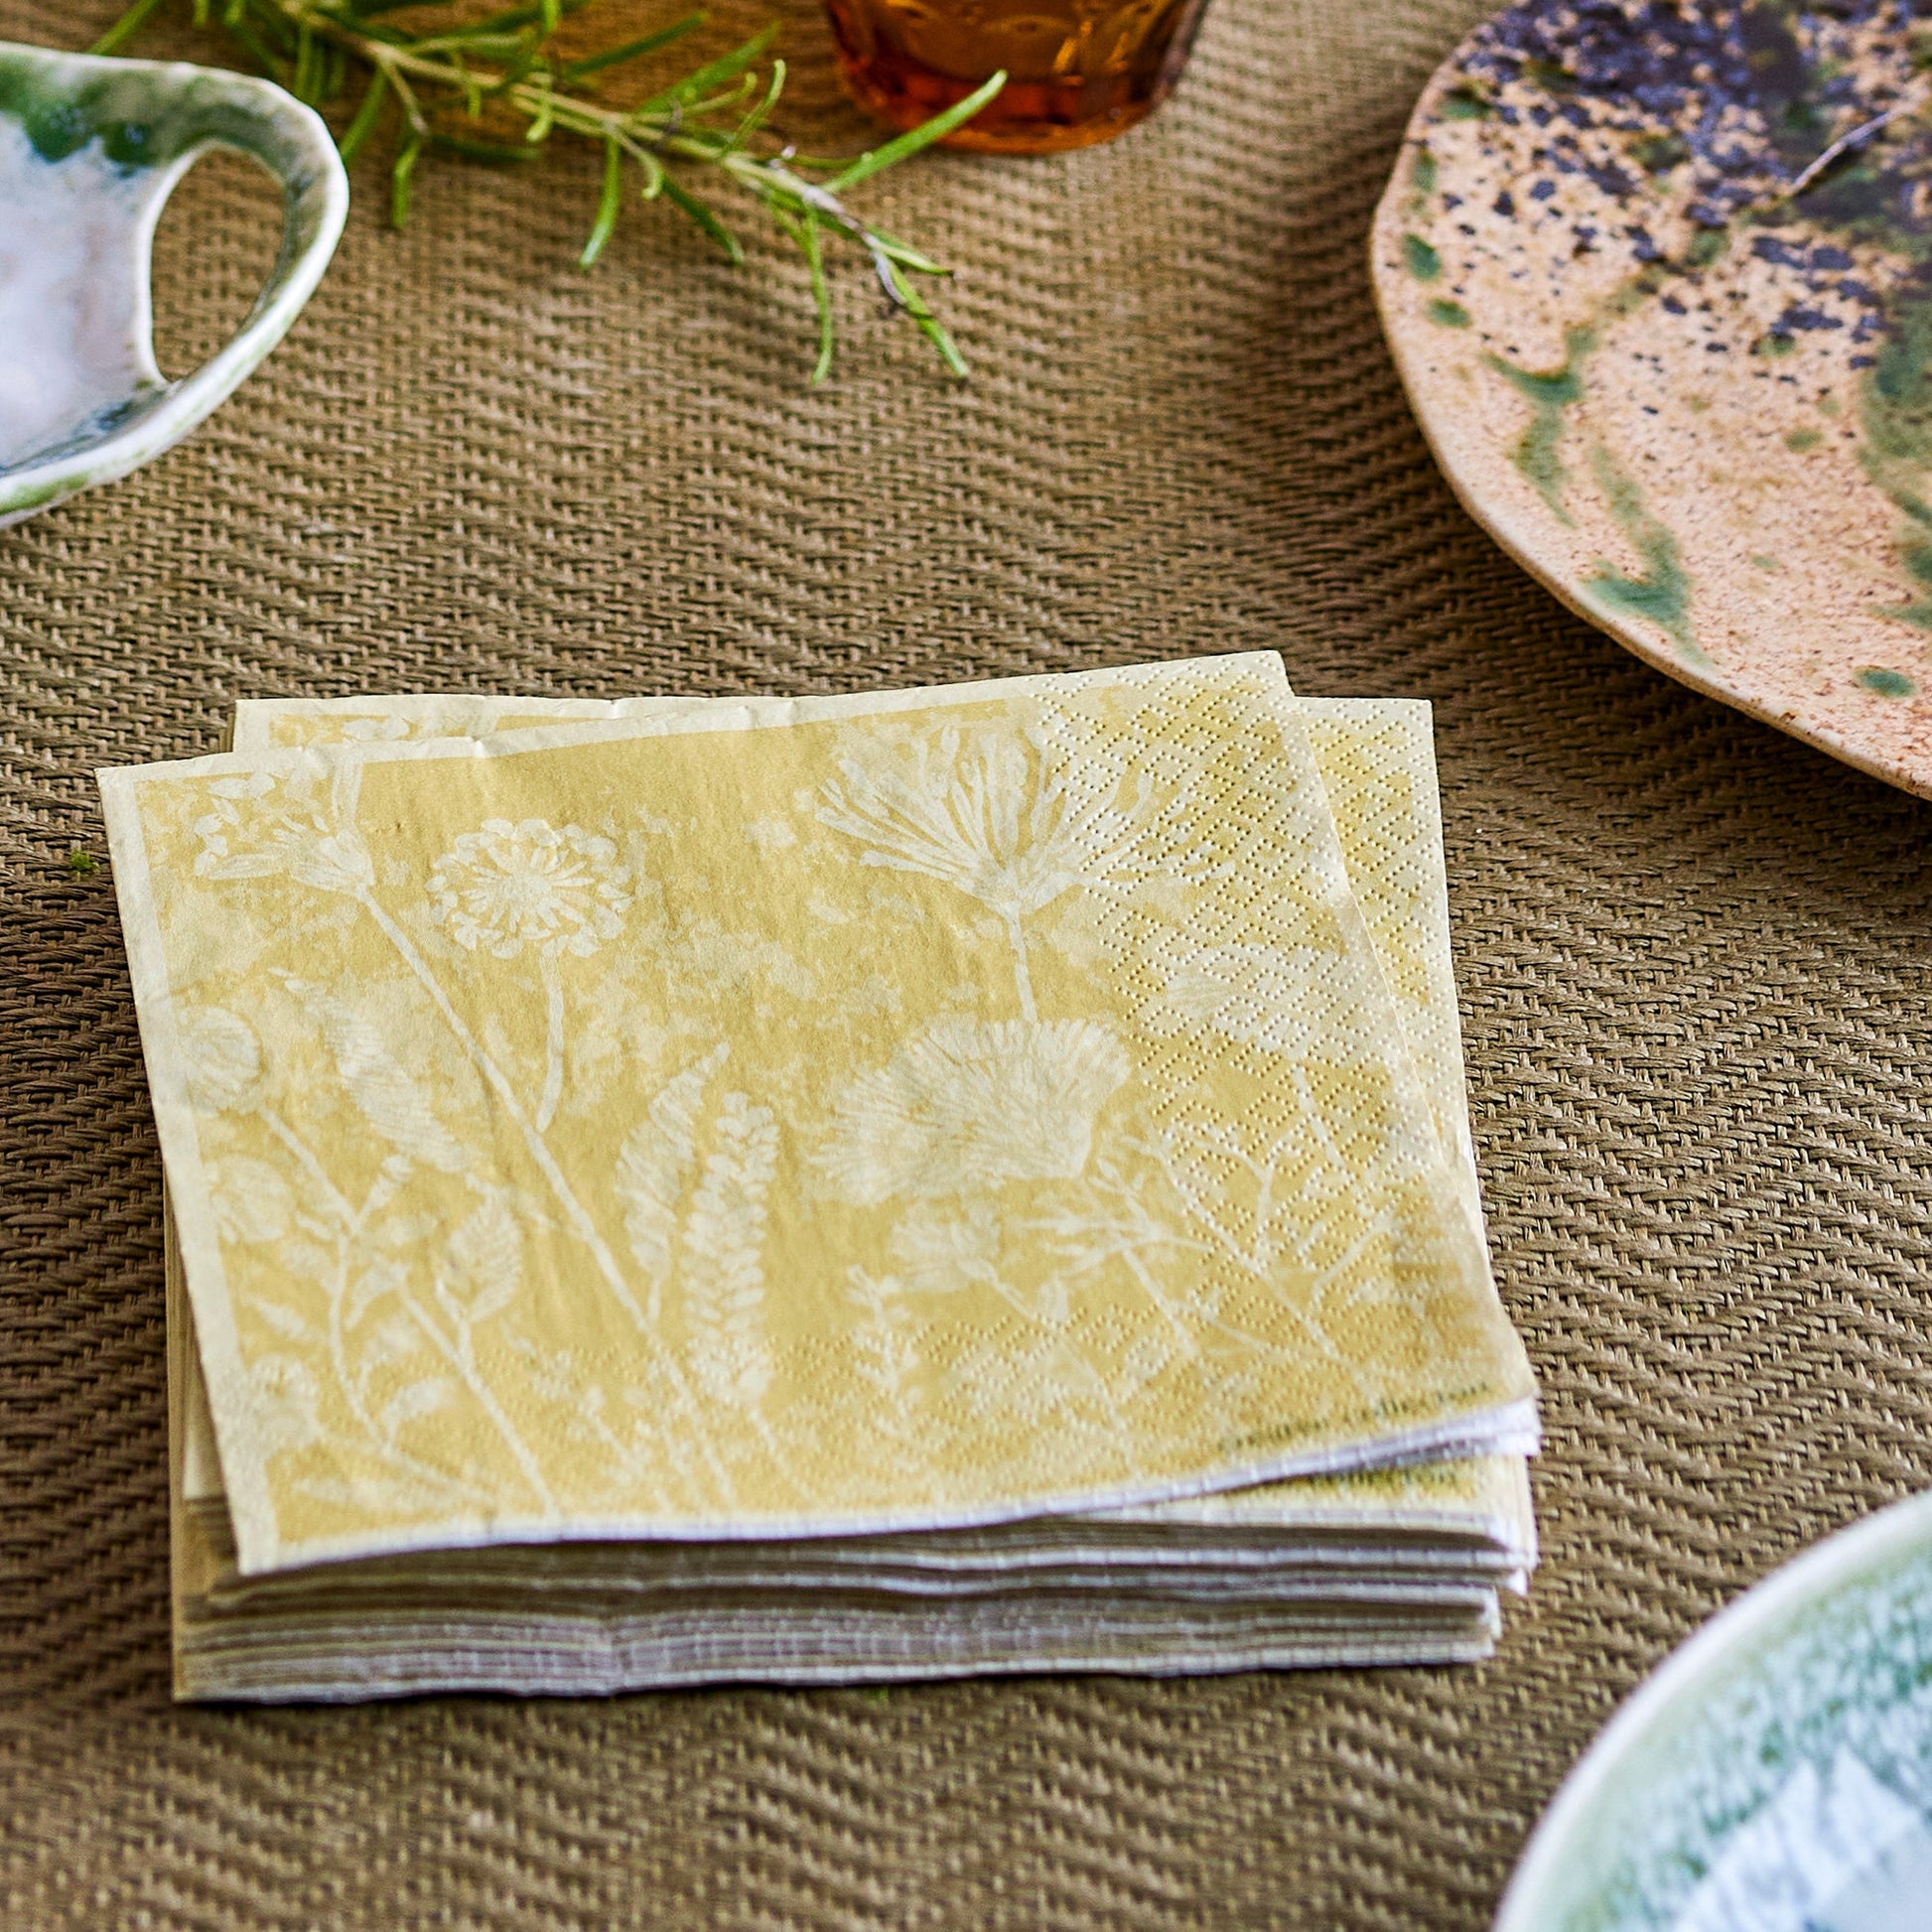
pixel 1693 959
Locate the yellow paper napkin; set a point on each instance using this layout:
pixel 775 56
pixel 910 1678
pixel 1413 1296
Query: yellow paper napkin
pixel 984 1104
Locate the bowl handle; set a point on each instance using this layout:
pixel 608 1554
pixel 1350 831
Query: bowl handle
pixel 210 108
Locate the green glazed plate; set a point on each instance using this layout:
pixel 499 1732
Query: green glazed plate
pixel 89 151
pixel 1775 1775
pixel 1658 278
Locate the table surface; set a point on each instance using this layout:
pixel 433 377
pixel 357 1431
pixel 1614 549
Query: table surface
pixel 1691 956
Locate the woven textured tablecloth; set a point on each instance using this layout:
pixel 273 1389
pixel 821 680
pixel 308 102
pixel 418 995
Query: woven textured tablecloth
pixel 1693 958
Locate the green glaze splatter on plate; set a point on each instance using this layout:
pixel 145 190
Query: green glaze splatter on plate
pixel 1424 264
pixel 1661 593
pixel 1549 393
pixel 1887 684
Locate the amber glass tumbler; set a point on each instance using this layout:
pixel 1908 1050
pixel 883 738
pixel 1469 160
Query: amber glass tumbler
pixel 1077 71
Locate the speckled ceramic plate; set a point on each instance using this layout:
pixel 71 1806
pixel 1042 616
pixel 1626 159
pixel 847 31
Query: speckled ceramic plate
pixel 1775 1775
pixel 1659 280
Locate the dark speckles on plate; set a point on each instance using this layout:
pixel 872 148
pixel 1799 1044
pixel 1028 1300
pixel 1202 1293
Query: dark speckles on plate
pixel 1711 203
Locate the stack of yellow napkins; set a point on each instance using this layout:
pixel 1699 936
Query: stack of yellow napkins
pixel 826 1190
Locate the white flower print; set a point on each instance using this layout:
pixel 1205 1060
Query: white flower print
pixel 502 888
pixel 942 1252
pixel 222 1056
pixel 886 1347
pixel 252 1201
pixel 261 826
pixel 724 1256
pixel 1013 820
pixel 560 889
pixel 971 1104
pixel 506 886
pixel 393 1102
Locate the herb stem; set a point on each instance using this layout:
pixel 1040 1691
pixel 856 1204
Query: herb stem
pixel 711 122
pixel 129 24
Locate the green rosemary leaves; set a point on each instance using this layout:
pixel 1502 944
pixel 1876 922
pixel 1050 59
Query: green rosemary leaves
pixel 455 84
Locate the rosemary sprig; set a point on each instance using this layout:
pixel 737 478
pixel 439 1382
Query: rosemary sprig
pixel 437 84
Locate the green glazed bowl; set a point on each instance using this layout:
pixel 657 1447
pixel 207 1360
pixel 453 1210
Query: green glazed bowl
pixel 89 151
pixel 1774 1774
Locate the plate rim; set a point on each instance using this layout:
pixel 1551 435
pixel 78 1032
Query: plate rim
pixel 1704 680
